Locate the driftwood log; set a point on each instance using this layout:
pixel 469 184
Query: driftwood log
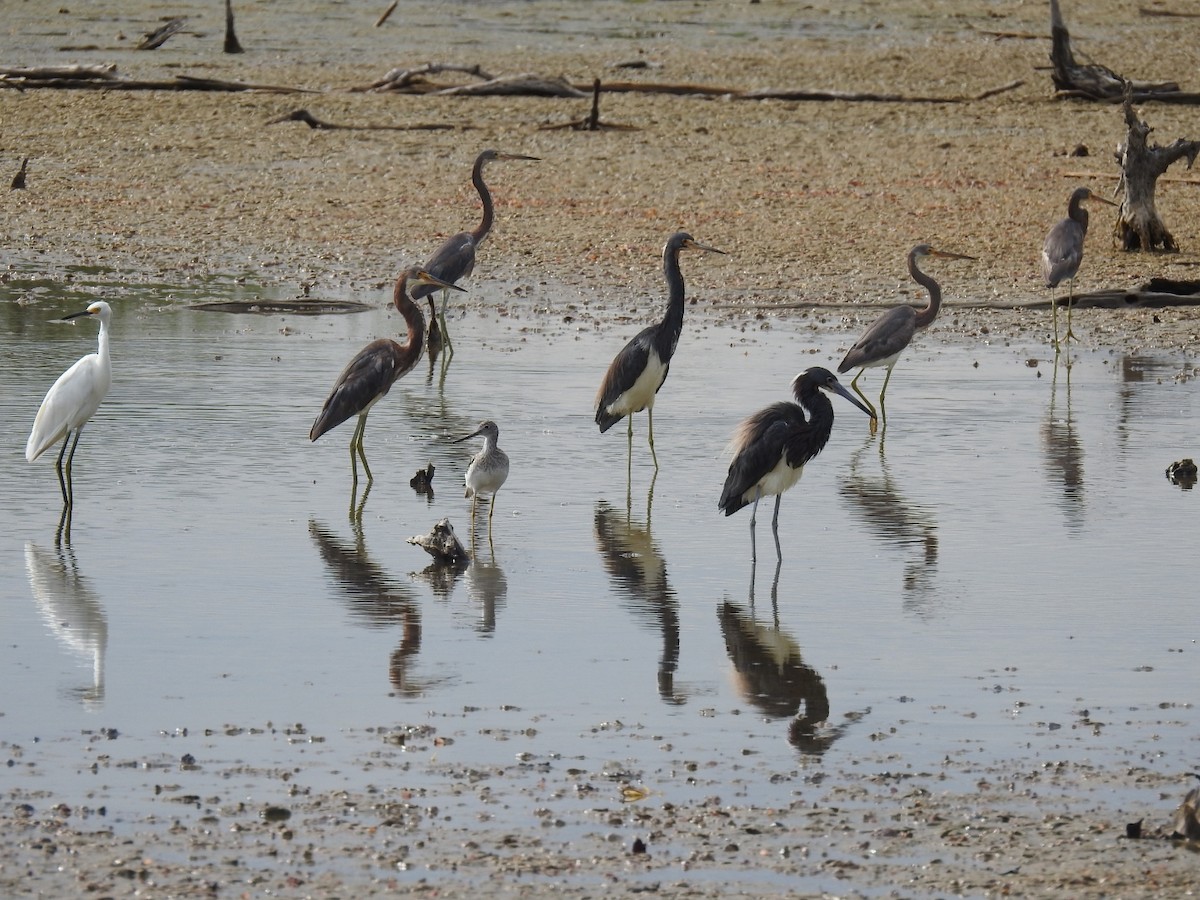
pixel 156 38
pixel 1093 81
pixel 592 121
pixel 1139 226
pixel 303 115
pixel 231 41
pixel 18 182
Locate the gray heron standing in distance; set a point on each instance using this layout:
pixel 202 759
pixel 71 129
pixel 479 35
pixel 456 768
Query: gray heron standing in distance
pixel 887 337
pixel 771 448
pixel 639 370
pixel 371 374
pixel 71 401
pixel 488 469
pixel 1063 252
pixel 455 259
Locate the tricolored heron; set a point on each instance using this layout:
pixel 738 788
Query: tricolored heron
pixel 488 469
pixel 639 370
pixel 455 259
pixel 883 342
pixel 371 374
pixel 1063 252
pixel 71 401
pixel 771 447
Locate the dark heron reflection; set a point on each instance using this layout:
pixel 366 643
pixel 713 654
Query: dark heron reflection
pixel 376 601
pixel 771 674
pixel 1063 454
pixel 639 573
pixel 72 612
pixel 878 503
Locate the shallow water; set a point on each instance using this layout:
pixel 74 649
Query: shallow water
pixel 1000 570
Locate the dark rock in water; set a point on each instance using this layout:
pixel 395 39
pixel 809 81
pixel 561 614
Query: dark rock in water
pixel 1182 473
pixel 442 544
pixel 422 481
pixel 1133 830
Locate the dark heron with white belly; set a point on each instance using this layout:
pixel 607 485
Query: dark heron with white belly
pixel 371 374
pixel 771 448
pixel 455 259
pixel 639 370
pixel 883 342
pixel 1063 252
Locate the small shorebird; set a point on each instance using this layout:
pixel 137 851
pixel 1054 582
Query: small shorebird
pixel 488 469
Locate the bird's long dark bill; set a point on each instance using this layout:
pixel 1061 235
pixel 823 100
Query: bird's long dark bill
pixel 1103 200
pixel 692 245
pixel 476 433
pixel 86 312
pixel 507 156
pixel 425 278
pixel 841 389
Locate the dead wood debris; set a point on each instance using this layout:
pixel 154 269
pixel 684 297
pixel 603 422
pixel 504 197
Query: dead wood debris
pixel 231 42
pixel 303 115
pixel 106 78
pixel 1139 226
pixel 156 38
pixel 18 182
pixel 592 121
pixel 1096 82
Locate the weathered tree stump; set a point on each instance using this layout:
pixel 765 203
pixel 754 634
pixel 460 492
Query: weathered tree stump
pixel 1139 226
pixel 231 41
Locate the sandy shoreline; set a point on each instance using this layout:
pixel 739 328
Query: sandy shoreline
pixel 816 203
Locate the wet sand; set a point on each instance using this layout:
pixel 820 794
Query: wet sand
pixel 816 204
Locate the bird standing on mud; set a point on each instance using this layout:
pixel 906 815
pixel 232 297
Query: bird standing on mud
pixel 1063 252
pixel 71 401
pixel 371 374
pixel 455 259
pixel 771 448
pixel 887 337
pixel 488 469
pixel 639 370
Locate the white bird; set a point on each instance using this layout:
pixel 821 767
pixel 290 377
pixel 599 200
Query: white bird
pixel 488 469
pixel 72 401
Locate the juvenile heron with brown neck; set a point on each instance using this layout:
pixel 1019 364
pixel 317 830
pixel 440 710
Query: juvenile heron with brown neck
pixel 887 337
pixel 455 259
pixel 371 374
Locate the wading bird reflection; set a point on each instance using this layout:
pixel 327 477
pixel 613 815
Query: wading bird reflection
pixel 1063 252
pixel 455 259
pixel 887 337
pixel 71 401
pixel 488 470
pixel 371 374
pixel 771 447
pixel 639 370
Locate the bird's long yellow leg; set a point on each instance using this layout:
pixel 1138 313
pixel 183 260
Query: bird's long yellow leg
pixel 882 408
pixel 491 511
pixel 356 446
pixel 653 455
pixel 775 527
pixel 1054 306
pixel 1070 293
pixel 863 398
pixel 753 519
pixel 445 331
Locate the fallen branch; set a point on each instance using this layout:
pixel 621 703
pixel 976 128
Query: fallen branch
pixel 524 85
pixel 591 122
pixel 158 37
pixel 413 80
pixel 1094 81
pixel 231 41
pixel 387 12
pixel 303 115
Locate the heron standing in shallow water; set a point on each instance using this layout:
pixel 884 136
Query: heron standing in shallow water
pixel 455 259
pixel 488 469
pixel 1063 252
pixel 771 447
pixel 639 370
pixel 887 337
pixel 371 374
pixel 71 401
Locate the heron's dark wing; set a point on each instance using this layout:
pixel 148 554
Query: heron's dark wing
pixel 1062 253
pixel 887 335
pixel 622 374
pixel 453 260
pixel 758 443
pixel 368 377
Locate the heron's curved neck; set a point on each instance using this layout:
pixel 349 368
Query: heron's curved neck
pixel 1076 212
pixel 412 316
pixel 489 211
pixel 926 316
pixel 672 323
pixel 817 405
